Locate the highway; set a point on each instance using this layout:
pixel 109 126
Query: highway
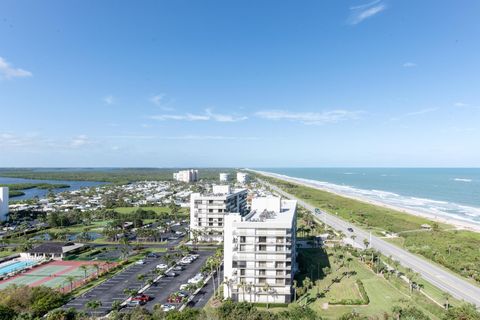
pixel 445 280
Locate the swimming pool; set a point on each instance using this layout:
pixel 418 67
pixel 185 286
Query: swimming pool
pixel 15 266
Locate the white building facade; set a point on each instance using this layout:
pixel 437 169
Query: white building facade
pixel 259 251
pixel 224 177
pixel 242 177
pixel 208 211
pixel 186 176
pixel 3 203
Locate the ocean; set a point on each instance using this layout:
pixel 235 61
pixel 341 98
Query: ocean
pixel 448 192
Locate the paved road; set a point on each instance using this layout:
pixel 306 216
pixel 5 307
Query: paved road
pixel 455 285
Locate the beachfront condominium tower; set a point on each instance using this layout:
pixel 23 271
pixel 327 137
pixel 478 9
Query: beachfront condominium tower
pixel 3 203
pixel 224 177
pixel 242 177
pixel 207 211
pixel 186 176
pixel 259 251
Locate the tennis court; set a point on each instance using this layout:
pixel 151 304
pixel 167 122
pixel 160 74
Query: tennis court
pixel 62 275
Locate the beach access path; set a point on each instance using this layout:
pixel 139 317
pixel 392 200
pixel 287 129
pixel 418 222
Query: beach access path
pixel 439 277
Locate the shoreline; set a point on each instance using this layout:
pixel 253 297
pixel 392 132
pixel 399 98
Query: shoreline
pixel 457 223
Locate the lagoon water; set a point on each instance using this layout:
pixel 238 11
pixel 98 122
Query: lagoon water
pixel 42 193
pixel 442 191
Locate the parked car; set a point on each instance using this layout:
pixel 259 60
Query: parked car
pixel 140 262
pixel 167 307
pixel 350 229
pixel 134 303
pixel 196 279
pixel 162 266
pixel 171 274
pixel 142 297
pixel 183 294
pixel 178 268
pixel 152 255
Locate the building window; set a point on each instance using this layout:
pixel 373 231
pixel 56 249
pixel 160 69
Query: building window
pixel 262 239
pixel 278 264
pixel 243 239
pixel 242 272
pixel 262 264
pixel 262 247
pixel 210 210
pixel 279 273
pixel 262 280
pixel 243 247
pixel 262 272
pixel 279 248
pixel 279 281
pixel 280 239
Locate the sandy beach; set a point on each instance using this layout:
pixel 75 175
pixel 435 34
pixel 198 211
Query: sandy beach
pixel 455 223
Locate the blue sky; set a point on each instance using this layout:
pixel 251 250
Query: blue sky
pixel 239 83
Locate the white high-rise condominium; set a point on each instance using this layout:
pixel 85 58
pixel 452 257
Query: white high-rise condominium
pixel 3 203
pixel 186 175
pixel 259 251
pixel 224 177
pixel 207 211
pixel 242 177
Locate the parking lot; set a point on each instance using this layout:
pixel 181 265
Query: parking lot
pixel 167 286
pixel 113 289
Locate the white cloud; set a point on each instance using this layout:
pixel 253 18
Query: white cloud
pixel 7 71
pixel 80 141
pixel 209 115
pixel 409 65
pixel 414 113
pixel 109 100
pixel 311 118
pixel 460 104
pixel 161 101
pixel 365 11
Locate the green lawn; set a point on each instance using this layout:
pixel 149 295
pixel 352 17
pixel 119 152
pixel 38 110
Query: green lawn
pixel 383 294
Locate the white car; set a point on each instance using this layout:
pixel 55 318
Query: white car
pixel 162 266
pixel 198 277
pixel 140 262
pixel 167 307
pixel 184 286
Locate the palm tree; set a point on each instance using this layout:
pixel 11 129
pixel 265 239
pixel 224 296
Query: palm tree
pixel 70 280
pixel 97 268
pixel 295 284
pixel 84 267
pixel 228 282
pixel 93 305
pixel 249 289
pixel 242 285
pixel 366 243
pixel 266 288
pixel 168 259
pixel 446 296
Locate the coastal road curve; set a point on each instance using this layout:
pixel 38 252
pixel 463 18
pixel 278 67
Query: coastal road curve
pixel 445 280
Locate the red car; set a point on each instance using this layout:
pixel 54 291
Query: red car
pixel 142 298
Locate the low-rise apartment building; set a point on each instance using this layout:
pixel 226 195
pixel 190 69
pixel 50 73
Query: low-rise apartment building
pixel 207 211
pixel 259 251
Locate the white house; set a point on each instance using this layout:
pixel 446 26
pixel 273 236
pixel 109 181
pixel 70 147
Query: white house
pixel 259 251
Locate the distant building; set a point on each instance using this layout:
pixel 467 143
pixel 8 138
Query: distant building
pixel 54 250
pixel 242 177
pixel 224 177
pixel 3 203
pixel 186 176
pixel 259 251
pixel 207 211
